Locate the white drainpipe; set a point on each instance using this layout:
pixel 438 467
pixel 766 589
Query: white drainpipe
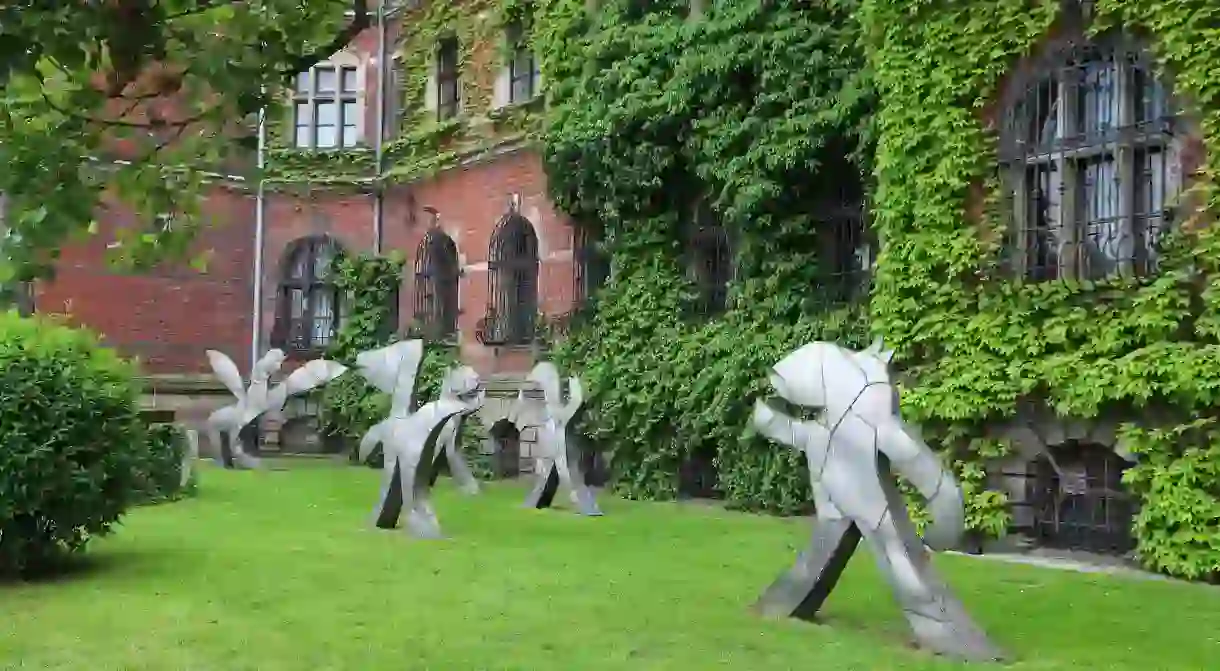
pixel 260 224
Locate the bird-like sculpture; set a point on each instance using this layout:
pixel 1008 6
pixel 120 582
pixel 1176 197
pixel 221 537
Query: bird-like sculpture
pixel 409 438
pixel 561 452
pixel 259 397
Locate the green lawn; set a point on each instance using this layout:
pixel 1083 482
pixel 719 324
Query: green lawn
pixel 279 570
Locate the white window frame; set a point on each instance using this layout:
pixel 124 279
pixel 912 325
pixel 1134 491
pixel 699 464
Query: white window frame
pixel 349 101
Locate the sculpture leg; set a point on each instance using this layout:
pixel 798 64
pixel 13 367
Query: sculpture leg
pixel 421 518
pixel 801 591
pixel 937 618
pixel 546 484
pixel 237 455
pixel 385 515
pixel 217 439
pixel 460 470
pixel 579 493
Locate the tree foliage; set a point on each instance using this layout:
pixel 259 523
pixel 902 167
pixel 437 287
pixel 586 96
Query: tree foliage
pixel 142 101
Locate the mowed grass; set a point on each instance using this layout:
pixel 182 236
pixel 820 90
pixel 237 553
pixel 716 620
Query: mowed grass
pixel 280 570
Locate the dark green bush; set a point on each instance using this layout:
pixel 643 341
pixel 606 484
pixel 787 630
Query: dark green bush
pixel 72 446
pixel 163 479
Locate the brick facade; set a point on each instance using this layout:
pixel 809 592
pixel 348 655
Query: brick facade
pixel 168 316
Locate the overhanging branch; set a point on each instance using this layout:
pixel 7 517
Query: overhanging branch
pixel 360 21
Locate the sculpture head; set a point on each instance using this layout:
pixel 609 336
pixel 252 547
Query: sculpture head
pixel 825 376
pixel 546 376
pixel 267 366
pixel 462 384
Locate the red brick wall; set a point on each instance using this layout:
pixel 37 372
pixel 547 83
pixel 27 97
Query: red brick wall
pixel 470 200
pixel 167 316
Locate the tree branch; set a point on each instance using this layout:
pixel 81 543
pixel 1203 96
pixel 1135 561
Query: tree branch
pixel 303 62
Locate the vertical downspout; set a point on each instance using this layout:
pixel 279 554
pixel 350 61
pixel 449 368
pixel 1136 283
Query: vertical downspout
pixel 259 226
pixel 378 141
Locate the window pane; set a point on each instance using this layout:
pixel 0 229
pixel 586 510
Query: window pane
pixel 327 114
pixel 321 261
pixel 446 57
pixel 349 136
pixel 302 83
pixel 326 80
pixel 1099 102
pixel 297 303
pixel 300 114
pixel 302 137
pixel 328 137
pixel 350 114
pixel 349 80
pixel 323 317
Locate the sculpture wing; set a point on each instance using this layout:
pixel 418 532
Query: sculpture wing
pixel 392 370
pixel 310 376
pixel 226 371
pixel 370 440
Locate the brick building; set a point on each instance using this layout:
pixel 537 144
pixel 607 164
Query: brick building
pixel 488 255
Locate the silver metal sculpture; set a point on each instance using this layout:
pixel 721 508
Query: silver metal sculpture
pixel 409 439
pixel 189 456
pixel 259 397
pixel 561 452
pixel 851 449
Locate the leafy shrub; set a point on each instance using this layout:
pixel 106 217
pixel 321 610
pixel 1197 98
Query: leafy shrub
pixel 167 445
pixel 72 446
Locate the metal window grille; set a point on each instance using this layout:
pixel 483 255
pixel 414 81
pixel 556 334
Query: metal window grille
pixel 326 110
pixel 309 300
pixel 436 285
pixel 1078 500
pixel 710 262
pixel 1087 151
pixel 846 257
pixel 448 98
pixel 512 289
pixel 590 264
pixel 522 64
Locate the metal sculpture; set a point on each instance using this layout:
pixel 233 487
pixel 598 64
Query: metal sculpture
pixel 409 438
pixel 189 456
pixel 561 451
pixel 851 449
pixel 259 397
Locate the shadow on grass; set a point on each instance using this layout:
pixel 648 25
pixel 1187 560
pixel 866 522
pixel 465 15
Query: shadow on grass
pixel 89 564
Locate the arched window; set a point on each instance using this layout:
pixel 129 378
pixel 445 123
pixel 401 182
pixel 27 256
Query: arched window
pixel 1088 155
pixel 436 285
pixel 710 266
pixel 590 263
pixel 308 315
pixel 512 290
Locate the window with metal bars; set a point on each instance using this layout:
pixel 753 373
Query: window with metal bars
pixel 309 302
pixel 845 258
pixel 448 94
pixel 512 270
pixel 590 263
pixel 710 262
pixel 522 64
pixel 1089 158
pixel 326 110
pixel 436 286
pixel 1078 501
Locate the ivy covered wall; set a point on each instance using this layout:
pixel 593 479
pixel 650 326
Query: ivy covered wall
pixel 748 106
pixel 975 343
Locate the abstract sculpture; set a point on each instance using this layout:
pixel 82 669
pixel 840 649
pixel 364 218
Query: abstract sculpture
pixel 561 453
pixel 189 456
pixel 851 449
pixel 258 398
pixel 409 439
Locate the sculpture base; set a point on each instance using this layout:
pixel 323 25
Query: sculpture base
pixel 940 624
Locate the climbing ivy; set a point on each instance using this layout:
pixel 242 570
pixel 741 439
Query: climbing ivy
pixel 421 145
pixel 648 112
pixel 350 406
pixel 975 343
